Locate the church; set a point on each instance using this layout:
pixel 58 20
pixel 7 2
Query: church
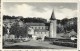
pixel 44 29
pixel 41 30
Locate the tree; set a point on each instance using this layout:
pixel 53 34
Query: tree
pixel 18 31
pixel 4 30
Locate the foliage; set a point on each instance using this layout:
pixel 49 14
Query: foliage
pixel 68 25
pixel 68 44
pixel 62 42
pixel 9 17
pixel 4 30
pixel 28 19
pixel 63 25
pixel 18 31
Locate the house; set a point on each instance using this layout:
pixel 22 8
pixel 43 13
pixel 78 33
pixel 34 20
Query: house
pixel 44 29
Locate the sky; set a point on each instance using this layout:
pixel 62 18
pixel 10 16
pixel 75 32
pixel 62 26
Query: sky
pixel 40 9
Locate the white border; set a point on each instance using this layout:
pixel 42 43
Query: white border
pixel 65 1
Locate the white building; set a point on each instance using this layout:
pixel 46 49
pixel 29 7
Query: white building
pixel 44 29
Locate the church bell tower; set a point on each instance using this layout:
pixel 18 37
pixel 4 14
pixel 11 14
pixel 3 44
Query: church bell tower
pixel 53 26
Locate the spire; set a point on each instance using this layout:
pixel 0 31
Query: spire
pixel 52 16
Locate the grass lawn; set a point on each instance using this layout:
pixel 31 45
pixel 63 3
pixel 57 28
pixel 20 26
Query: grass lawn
pixel 34 45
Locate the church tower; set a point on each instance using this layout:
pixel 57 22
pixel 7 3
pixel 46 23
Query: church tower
pixel 53 26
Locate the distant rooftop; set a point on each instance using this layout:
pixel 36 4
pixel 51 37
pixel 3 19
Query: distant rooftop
pixel 37 24
pixel 40 30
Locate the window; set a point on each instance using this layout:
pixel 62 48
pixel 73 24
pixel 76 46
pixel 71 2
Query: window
pixel 42 27
pixel 39 27
pixel 46 27
pixel 45 32
pixel 35 27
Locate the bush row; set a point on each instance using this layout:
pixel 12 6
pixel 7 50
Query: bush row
pixel 62 40
pixel 68 44
pixel 15 40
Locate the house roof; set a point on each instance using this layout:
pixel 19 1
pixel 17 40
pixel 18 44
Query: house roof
pixel 40 30
pixel 37 24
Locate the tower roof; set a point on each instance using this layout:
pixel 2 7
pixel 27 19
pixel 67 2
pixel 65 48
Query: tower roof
pixel 52 16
